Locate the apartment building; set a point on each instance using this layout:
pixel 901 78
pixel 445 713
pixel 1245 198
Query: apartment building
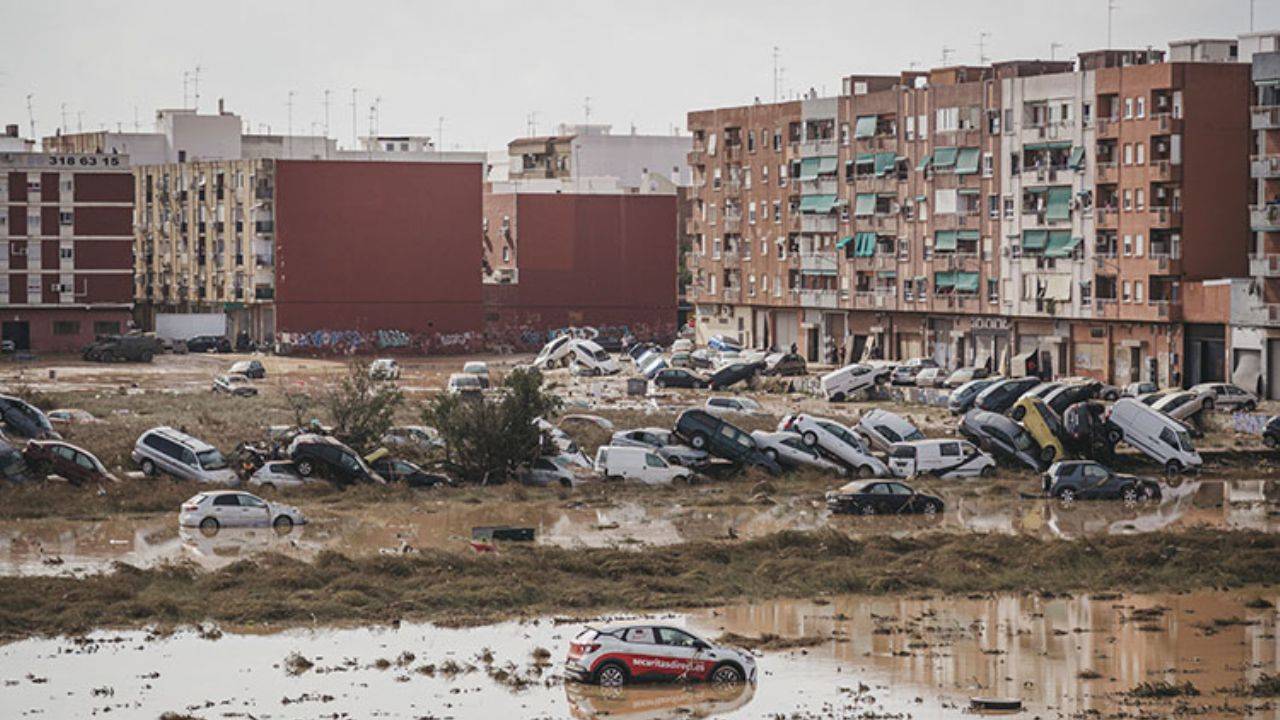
pixel 594 151
pixel 66 222
pixel 979 215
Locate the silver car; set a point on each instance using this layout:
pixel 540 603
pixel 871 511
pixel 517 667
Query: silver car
pixel 1228 397
pixel 216 509
pixel 661 440
pixel 788 449
pixel 171 452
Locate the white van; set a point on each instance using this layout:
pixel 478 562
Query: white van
pixel 592 359
pixel 940 458
pixel 682 345
pixel 615 462
pixel 1155 434
pixel 840 385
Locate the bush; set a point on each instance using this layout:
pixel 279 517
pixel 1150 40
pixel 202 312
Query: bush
pixel 486 440
pixel 362 408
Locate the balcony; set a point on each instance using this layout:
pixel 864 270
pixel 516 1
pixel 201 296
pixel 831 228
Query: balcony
pixel 1108 172
pixel 264 226
pixel 1264 265
pixel 1165 217
pixel 817 223
pixel 1164 171
pixel 962 220
pixel 829 299
pixel 1166 310
pixel 821 186
pixel 818 262
pixel 1107 216
pixel 1265 117
pixel 1265 166
pixel 888 223
pixel 879 185
pixel 1108 126
pixel 810 148
pixel 1265 218
pixel 732 223
pixel 1166 122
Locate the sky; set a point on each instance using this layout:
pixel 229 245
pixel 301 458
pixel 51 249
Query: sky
pixel 495 69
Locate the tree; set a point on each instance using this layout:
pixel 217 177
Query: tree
pixel 362 407
pixel 487 439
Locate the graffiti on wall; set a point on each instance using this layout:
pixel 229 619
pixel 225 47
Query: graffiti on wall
pixel 352 342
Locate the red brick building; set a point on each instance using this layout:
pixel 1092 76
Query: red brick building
pixel 66 221
pixel 560 259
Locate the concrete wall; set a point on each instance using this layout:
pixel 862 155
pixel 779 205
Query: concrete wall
pixel 629 157
pixel 199 137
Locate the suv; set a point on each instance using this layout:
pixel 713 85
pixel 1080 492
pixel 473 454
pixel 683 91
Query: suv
pixel 323 455
pixel 21 418
pixel 704 431
pixel 165 450
pixel 1088 480
pixel 1002 395
pixel 208 343
pixel 122 348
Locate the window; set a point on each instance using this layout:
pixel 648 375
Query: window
pixel 66 327
pixel 1142 107
pixel 1140 153
pixel 66 218
pixel 948 119
pixel 102 327
pixel 1137 291
pixel 1125 294
pixel 506 254
pixel 1128 154
pixel 949 449
pixel 988 165
pixel 1139 199
pixel 1128 108
pixel 66 253
pixel 777 218
pixel 653 461
pixel 1128 200
pixel 679 638
pixel 641 635
pixel 1128 245
pixel 226 500
pixel 911 127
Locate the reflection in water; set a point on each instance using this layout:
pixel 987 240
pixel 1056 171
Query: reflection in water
pixel 1071 657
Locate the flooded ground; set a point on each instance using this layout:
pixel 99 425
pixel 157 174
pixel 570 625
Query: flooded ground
pixel 57 545
pixel 869 658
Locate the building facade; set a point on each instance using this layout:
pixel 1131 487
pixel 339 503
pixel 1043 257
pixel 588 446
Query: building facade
pixel 66 221
pixel 593 151
pixel 979 215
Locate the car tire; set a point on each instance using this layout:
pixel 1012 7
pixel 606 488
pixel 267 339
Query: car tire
pixel 209 524
pixel 1048 453
pixel 566 483
pixel 1129 495
pixel 1269 441
pixel 282 522
pixel 771 454
pixel 305 468
pixel 837 397
pixel 1066 496
pixel 1018 413
pixel 1114 436
pixel 727 674
pixel 867 509
pixel 1250 406
pixel 866 471
pixel 149 469
pixel 659 384
pixel 611 674
pixel 1172 468
pixel 146 356
pixel 267 487
pixel 1208 404
pixel 698 441
pixel 931 508
pixel 810 438
pixel 988 471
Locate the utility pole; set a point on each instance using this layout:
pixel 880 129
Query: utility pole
pixel 79 121
pixel 1111 9
pixel 1053 50
pixel 946 54
pixel 354 131
pixel 31 116
pixel 186 85
pixel 775 73
pixel 982 47
pixel 64 127
pixel 1251 3
pixel 288 140
pixel 196 87
pixel 586 109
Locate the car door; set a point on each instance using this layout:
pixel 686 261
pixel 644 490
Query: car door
pixel 644 655
pixel 655 470
pixel 950 458
pixel 253 512
pixel 85 469
pixel 680 650
pixel 904 498
pixel 1093 482
pixel 226 510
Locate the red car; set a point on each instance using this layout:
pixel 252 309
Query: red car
pixel 76 465
pixel 623 654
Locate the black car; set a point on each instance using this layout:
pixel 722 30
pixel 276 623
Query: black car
pixel 122 348
pixel 1074 480
pixel 704 431
pixel 734 374
pixel 325 456
pixel 1271 433
pixel 208 343
pixel 395 470
pixel 1086 430
pixel 788 365
pixel 13 466
pixel 905 374
pixel 961 400
pixel 1064 397
pixel 678 378
pixel 1001 396
pixel 998 434
pixel 882 497
pixel 25 420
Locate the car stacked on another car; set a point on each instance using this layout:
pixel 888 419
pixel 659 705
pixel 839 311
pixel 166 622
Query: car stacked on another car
pixel 788 450
pixel 882 429
pixel 734 373
pixel 843 384
pixel 678 377
pixel 1001 396
pixel 251 369
pixel 837 442
pixel 1044 426
pixel 1002 436
pixel 1155 434
pixel 905 374
pixel 785 365
pixel 74 464
pixel 327 457
pixel 705 431
pixel 23 419
pixel 663 442
pixel 1228 397
pixel 961 399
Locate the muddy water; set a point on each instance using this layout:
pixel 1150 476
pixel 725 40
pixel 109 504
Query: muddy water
pixel 876 657
pixel 78 546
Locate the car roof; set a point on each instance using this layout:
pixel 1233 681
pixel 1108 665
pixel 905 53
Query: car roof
pixel 194 443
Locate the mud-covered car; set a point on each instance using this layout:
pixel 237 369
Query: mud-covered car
pixel 733 374
pixel 618 655
pixel 234 385
pixel 1074 480
pixel 122 348
pixel 704 431
pixel 882 497
pixel 1002 437
pixel 23 419
pixel 785 365
pixel 74 464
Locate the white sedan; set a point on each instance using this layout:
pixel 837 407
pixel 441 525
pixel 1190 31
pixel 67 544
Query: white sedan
pixel 234 508
pixel 838 442
pixel 788 449
pixel 280 474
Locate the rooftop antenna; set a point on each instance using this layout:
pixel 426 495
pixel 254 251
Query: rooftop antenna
pixel 586 109
pixel 63 108
pixel 186 85
pixel 289 104
pixel 326 113
pixel 79 121
pixel 946 54
pixel 354 132
pixel 1053 50
pixel 440 132
pixel 373 116
pixel 531 124
pixel 1111 9
pixel 1251 3
pixel 195 86
pixel 982 47
pixel 776 71
pixel 31 116
pixel 137 125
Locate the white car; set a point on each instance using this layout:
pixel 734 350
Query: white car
pixel 478 368
pixel 837 442
pixel 941 458
pixel 931 377
pixel 384 369
pixel 788 449
pixel 555 353
pixel 840 385
pixel 234 508
pixel 729 405
pixel 70 416
pixel 418 437
pixel 464 384
pixel 235 385
pixel 617 655
pixel 882 429
pixel 671 450
pixel 280 474
pixel 635 463
pixel 1228 397
pixel 682 345
pixel 591 359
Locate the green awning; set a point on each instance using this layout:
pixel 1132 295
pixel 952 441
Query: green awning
pixel 884 163
pixel 865 245
pixel 1059 207
pixel 886 273
pixel 1061 244
pixel 1076 160
pixel 864 158
pixel 967 161
pixel 844 242
pixel 809 168
pixel 966 282
pixel 1051 145
pixel 945 157
pixel 942 280
pixel 944 240
pixel 865 127
pixel 968 191
pixel 967 235
pixel 924 161
pixel 1034 239
pixel 865 205
pixel 827 164
pixel 817 203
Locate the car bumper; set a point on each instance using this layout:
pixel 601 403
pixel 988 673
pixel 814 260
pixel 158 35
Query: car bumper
pixel 190 519
pixel 575 670
pixel 839 504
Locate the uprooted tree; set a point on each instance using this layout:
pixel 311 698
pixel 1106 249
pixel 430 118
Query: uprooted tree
pixel 362 407
pixel 488 439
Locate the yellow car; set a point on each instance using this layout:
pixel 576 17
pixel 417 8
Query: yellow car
pixel 1043 425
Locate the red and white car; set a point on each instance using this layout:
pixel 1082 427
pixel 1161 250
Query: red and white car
pixel 621 654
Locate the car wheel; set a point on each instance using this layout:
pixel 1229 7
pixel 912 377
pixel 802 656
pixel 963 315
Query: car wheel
pixel 771 454
pixel 209 524
pixel 1067 496
pixel 1114 436
pixel 837 397
pixel 611 674
pixel 698 441
pixel 149 469
pixel 867 509
pixel 1269 441
pixel 659 383
pixel 305 468
pixel 1172 468
pixel 146 356
pixel 283 522
pixel 1018 413
pixel 566 483
pixel 726 674
pixel 866 471
pixel 810 438
pixel 1250 406
pixel 1129 495
pixel 267 487
pixel 988 471
pixel 931 508
pixel 1047 453
pixel 1208 404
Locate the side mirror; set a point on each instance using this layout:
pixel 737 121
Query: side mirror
pixel 700 646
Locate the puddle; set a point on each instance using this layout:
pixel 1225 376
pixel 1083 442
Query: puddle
pixel 878 657
pixel 58 546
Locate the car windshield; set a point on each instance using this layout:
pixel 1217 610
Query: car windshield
pixel 1184 438
pixel 914 435
pixel 1022 440
pixel 1051 420
pixel 211 460
pixel 466 381
pixel 600 355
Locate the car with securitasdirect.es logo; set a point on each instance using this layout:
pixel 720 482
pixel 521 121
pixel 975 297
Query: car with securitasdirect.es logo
pixel 622 654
